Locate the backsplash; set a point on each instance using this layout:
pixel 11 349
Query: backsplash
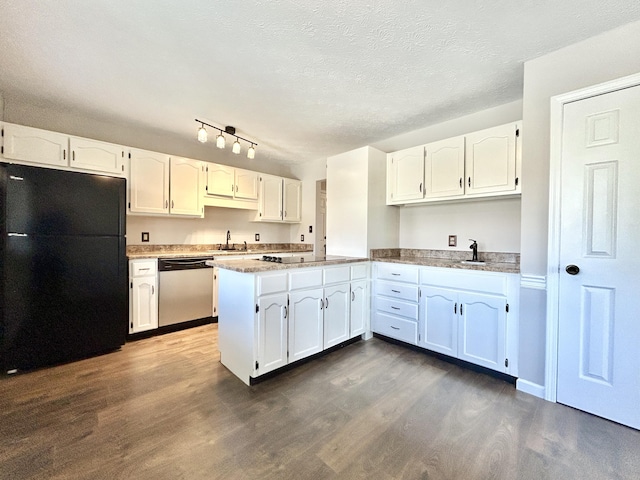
pixel 493 257
pixel 253 247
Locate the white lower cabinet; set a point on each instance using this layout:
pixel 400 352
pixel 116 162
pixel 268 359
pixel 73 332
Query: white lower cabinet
pixel 305 323
pixel 336 314
pixel 470 315
pixel 143 301
pixel 273 328
pixel 268 320
pixel 359 308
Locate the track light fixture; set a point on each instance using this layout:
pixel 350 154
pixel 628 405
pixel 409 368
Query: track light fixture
pixel 221 141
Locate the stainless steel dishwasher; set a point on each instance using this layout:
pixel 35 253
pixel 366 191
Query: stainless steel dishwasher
pixel 185 290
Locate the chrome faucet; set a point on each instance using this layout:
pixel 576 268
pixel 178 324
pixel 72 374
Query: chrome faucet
pixel 228 238
pixel 474 247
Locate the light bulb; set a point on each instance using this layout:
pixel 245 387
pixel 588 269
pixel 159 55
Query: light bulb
pixel 220 142
pixel 251 153
pixel 202 134
pixel 236 147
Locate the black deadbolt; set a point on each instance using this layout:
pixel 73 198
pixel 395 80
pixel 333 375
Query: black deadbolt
pixel 572 269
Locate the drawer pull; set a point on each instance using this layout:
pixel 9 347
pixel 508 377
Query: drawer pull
pixel 395 291
pixel 395 328
pixel 395 274
pixel 141 269
pixel 395 308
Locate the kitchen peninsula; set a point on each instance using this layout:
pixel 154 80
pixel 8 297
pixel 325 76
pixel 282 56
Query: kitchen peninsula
pixel 274 314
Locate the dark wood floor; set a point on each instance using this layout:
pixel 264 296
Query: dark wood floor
pixel 165 408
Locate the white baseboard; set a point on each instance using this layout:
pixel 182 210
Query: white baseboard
pixel 530 388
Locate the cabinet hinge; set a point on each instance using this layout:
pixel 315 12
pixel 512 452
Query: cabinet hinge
pixel 131 325
pixel 517 132
pixel 131 284
pixel 257 365
pixel 506 362
pixel 206 188
pixel 2 149
pixel 418 337
pixel 129 154
pixel 507 308
pixel 287 300
pixel 129 205
pixel 517 181
pixel 2 133
pixel 257 308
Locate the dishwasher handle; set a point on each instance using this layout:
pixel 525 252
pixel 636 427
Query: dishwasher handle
pixel 182 264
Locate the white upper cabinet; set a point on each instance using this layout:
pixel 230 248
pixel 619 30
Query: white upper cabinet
pixel 405 175
pixel 279 199
pixel 33 145
pixel 292 200
pixel 490 160
pixel 149 182
pixel 220 180
pixel 486 163
pixel 184 187
pixel 96 156
pixel 270 198
pixel 444 168
pixel 246 184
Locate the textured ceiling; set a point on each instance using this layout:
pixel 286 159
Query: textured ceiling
pixel 304 79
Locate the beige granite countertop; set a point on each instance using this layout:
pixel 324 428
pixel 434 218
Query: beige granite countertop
pixel 494 261
pixel 257 266
pixel 212 250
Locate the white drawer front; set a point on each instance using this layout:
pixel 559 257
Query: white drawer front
pixel 143 268
pixel 397 290
pixel 488 282
pixel 304 278
pixel 336 275
pixel 395 307
pixel 272 283
pixel 397 272
pixel 360 271
pixel 395 327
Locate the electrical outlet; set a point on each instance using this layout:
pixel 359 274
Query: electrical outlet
pixel 302 238
pixel 145 236
pixel 310 229
pixel 257 237
pixel 453 240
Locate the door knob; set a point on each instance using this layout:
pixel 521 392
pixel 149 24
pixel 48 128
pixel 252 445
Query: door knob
pixel 572 269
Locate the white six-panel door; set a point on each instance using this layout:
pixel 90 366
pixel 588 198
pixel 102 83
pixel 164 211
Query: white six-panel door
pixel 598 322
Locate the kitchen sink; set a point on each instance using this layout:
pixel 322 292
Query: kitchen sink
pixel 472 262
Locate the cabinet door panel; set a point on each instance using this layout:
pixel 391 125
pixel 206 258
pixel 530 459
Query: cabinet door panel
pixel 96 156
pixel 359 308
pixel 185 187
pixel 270 198
pixel 246 184
pixel 272 337
pixel 34 145
pixel 444 168
pixel 336 314
pixel 292 199
pixel 439 308
pixel 144 304
pixel 482 330
pixel 305 323
pixel 490 160
pixel 149 182
pixel 405 175
pixel 220 180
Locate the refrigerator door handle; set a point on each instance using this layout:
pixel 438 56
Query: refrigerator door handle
pixel 17 235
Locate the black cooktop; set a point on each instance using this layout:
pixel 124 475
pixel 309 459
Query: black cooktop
pixel 289 260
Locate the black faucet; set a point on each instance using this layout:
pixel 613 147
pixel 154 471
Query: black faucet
pixel 474 247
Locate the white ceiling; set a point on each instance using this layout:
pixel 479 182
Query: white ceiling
pixel 304 79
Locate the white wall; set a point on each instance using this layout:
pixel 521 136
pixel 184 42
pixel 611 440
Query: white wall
pixel 209 230
pixel 309 173
pixel 598 59
pixel 495 224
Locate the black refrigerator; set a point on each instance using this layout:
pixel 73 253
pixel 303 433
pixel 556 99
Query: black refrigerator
pixel 63 290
